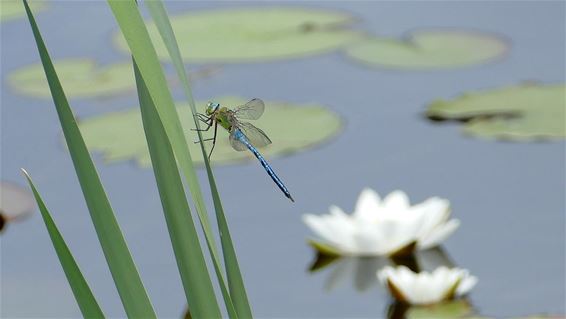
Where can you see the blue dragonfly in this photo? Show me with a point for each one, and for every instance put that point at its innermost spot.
(243, 135)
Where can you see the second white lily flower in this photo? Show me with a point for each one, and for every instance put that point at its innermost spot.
(426, 288)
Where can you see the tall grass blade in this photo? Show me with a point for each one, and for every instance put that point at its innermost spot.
(83, 295)
(128, 283)
(184, 238)
(159, 15)
(235, 281)
(141, 47)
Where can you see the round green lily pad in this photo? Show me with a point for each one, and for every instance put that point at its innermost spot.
(449, 310)
(83, 78)
(14, 9)
(292, 128)
(79, 77)
(254, 34)
(520, 113)
(429, 49)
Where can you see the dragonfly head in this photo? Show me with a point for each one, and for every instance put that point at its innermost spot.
(212, 107)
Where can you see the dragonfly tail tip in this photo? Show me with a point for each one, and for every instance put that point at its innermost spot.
(291, 198)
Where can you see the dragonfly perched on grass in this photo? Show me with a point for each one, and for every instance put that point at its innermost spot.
(243, 135)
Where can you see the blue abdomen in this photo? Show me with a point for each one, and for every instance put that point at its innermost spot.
(242, 138)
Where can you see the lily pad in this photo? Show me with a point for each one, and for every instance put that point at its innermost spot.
(15, 203)
(14, 9)
(254, 34)
(79, 77)
(448, 310)
(292, 128)
(83, 78)
(543, 317)
(430, 49)
(520, 113)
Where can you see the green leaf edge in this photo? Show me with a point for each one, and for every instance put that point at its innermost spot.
(238, 297)
(83, 295)
(124, 272)
(184, 238)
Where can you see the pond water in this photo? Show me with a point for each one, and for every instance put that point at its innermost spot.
(509, 196)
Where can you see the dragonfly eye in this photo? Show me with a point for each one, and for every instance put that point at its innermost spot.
(211, 108)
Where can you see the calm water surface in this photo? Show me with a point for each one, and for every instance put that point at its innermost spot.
(509, 196)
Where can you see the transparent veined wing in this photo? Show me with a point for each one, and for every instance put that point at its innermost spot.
(236, 143)
(256, 136)
(251, 110)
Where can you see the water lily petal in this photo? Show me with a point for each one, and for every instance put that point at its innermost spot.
(466, 284)
(396, 200)
(368, 205)
(439, 234)
(319, 226)
(337, 213)
(436, 210)
(396, 235)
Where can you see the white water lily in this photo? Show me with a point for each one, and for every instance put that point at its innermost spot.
(426, 287)
(384, 226)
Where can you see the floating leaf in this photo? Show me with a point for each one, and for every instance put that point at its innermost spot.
(14, 9)
(521, 113)
(15, 203)
(119, 135)
(448, 310)
(82, 78)
(253, 34)
(430, 49)
(544, 316)
(79, 77)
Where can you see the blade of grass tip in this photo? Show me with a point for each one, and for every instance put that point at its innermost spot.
(83, 295)
(161, 19)
(184, 238)
(126, 278)
(235, 280)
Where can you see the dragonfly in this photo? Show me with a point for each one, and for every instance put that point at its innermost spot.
(244, 136)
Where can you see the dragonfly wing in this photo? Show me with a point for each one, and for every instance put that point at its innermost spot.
(236, 143)
(256, 136)
(251, 110)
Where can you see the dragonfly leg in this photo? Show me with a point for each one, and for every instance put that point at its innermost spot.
(205, 140)
(213, 140)
(208, 123)
(202, 117)
(208, 120)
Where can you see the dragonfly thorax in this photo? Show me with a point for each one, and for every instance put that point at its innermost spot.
(212, 107)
